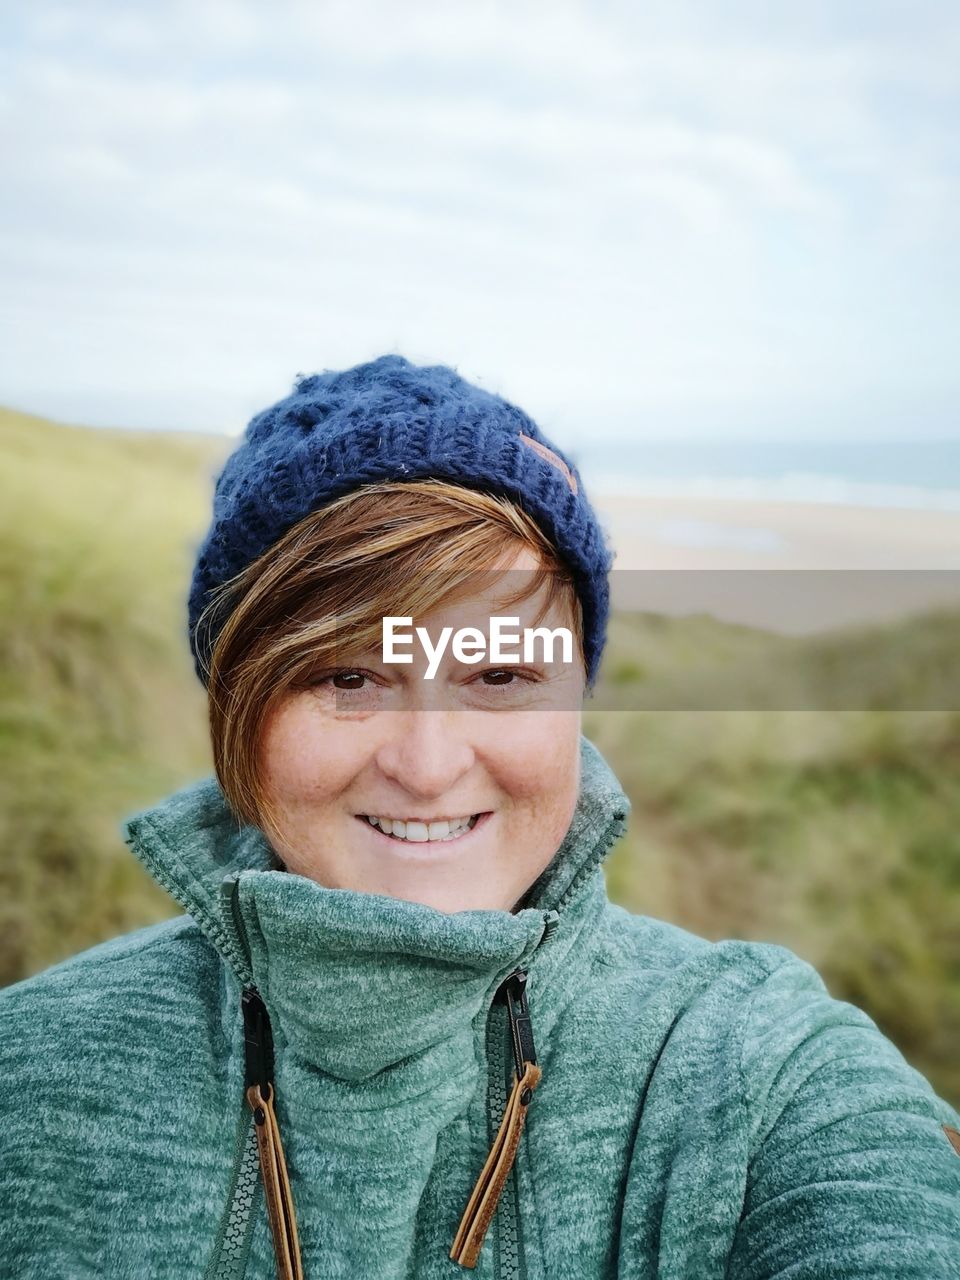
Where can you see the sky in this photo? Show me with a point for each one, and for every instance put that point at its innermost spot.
(678, 219)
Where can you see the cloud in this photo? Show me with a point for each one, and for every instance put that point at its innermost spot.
(691, 211)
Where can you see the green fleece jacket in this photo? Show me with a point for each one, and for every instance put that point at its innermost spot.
(706, 1110)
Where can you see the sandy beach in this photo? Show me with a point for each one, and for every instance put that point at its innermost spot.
(862, 563)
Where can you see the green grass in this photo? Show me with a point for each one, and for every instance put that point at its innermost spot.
(836, 833)
(100, 712)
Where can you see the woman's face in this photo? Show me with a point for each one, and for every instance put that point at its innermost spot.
(494, 755)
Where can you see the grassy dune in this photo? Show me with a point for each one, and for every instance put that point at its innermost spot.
(99, 709)
(836, 833)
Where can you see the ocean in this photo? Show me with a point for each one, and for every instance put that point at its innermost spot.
(920, 474)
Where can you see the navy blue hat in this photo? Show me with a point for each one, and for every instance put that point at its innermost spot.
(392, 420)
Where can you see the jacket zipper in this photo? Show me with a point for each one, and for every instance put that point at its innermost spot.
(509, 1254)
(259, 1165)
(229, 1260)
(233, 1241)
(495, 1193)
(509, 1260)
(281, 1215)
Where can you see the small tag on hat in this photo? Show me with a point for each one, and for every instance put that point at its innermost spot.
(549, 456)
(953, 1137)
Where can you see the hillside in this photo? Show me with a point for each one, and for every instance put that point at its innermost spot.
(99, 709)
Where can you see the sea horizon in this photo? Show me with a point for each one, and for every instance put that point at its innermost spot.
(909, 474)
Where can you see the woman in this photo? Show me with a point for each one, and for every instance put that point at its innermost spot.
(401, 1031)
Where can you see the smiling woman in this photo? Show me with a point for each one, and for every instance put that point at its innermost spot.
(315, 602)
(314, 730)
(397, 940)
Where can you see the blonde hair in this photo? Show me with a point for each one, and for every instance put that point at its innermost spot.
(342, 569)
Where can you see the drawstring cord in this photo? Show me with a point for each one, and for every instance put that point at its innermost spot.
(482, 1204)
(258, 1045)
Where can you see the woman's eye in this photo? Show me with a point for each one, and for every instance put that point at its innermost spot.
(347, 680)
(498, 676)
(344, 680)
(510, 677)
(499, 689)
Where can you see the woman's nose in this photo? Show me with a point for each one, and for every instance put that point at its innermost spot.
(426, 751)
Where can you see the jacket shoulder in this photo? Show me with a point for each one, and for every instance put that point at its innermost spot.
(644, 943)
(632, 940)
(841, 1126)
(797, 1036)
(136, 995)
(123, 1054)
(138, 956)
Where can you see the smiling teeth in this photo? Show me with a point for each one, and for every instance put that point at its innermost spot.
(421, 832)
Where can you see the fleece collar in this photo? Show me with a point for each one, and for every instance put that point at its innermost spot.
(356, 982)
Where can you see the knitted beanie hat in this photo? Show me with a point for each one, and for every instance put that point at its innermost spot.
(392, 420)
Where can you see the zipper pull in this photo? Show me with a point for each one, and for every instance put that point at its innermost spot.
(482, 1204)
(257, 1041)
(514, 992)
(258, 1083)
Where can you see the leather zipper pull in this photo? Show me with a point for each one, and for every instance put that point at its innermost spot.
(258, 1047)
(526, 1076)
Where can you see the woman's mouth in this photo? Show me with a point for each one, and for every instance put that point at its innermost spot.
(423, 830)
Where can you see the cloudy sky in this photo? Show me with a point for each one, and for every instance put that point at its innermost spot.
(682, 218)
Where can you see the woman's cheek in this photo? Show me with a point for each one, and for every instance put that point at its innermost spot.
(301, 760)
(539, 756)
